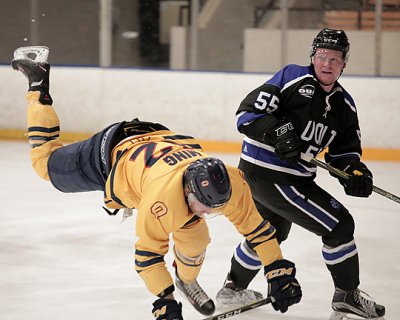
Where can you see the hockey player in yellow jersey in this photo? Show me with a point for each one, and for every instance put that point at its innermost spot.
(171, 182)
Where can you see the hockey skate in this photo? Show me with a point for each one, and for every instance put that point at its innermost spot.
(231, 296)
(32, 62)
(196, 296)
(356, 304)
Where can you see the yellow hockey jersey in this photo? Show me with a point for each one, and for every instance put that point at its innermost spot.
(147, 174)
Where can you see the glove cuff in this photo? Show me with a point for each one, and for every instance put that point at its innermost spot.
(280, 268)
(166, 291)
(351, 166)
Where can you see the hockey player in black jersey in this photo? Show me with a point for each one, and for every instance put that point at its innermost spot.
(304, 109)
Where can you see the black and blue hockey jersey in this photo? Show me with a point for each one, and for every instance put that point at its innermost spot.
(321, 120)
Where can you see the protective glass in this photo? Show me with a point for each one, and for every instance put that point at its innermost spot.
(323, 56)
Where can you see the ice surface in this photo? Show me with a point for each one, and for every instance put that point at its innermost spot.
(62, 257)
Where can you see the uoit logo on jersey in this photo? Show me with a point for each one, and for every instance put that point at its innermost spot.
(307, 90)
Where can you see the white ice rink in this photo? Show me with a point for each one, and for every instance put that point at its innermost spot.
(62, 257)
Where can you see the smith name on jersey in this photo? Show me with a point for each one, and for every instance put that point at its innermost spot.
(320, 119)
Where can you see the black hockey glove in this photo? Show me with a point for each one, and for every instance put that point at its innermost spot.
(360, 182)
(282, 284)
(283, 137)
(167, 309)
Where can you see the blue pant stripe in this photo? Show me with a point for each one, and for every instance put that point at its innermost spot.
(308, 207)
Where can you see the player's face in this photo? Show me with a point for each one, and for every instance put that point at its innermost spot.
(328, 65)
(197, 207)
(201, 210)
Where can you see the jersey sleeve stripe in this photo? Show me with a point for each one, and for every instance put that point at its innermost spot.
(263, 155)
(262, 233)
(245, 118)
(262, 224)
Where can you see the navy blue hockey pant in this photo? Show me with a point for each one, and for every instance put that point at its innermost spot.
(83, 166)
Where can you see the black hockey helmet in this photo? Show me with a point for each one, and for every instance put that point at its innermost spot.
(331, 39)
(208, 180)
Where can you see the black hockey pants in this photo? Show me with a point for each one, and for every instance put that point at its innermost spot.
(312, 208)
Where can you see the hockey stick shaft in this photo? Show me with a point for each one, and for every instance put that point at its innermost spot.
(342, 174)
(240, 310)
(386, 194)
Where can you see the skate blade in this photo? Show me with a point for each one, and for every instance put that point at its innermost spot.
(336, 315)
(34, 53)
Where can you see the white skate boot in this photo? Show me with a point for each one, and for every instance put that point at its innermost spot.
(32, 62)
(231, 296)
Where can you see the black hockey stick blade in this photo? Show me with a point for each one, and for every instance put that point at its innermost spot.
(342, 174)
(240, 310)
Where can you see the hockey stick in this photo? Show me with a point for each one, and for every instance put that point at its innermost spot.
(240, 310)
(342, 174)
